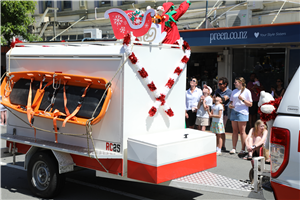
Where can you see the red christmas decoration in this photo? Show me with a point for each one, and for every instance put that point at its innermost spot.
(151, 86)
(186, 45)
(185, 59)
(162, 99)
(170, 112)
(177, 71)
(13, 44)
(267, 117)
(170, 83)
(143, 73)
(152, 111)
(126, 39)
(133, 58)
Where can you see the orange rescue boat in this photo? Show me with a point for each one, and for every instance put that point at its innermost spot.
(57, 96)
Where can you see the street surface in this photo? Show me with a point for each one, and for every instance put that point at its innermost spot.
(84, 185)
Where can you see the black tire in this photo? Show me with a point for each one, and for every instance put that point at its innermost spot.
(42, 174)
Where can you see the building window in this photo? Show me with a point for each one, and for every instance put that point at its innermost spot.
(67, 5)
(80, 37)
(43, 5)
(204, 67)
(65, 37)
(128, 1)
(48, 38)
(268, 64)
(72, 37)
(64, 5)
(102, 3)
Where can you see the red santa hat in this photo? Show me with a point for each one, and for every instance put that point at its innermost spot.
(167, 6)
(160, 8)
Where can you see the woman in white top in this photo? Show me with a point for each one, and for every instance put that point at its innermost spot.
(192, 97)
(240, 101)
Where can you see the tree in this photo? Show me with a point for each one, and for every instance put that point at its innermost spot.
(16, 16)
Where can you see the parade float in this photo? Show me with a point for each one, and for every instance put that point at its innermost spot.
(116, 107)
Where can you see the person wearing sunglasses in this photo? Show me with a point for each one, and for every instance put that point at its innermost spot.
(225, 94)
(192, 97)
(279, 89)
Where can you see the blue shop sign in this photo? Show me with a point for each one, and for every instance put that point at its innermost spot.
(244, 35)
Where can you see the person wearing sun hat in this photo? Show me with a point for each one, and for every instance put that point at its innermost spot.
(171, 25)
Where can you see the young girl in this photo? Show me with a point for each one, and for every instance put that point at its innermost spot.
(256, 138)
(203, 109)
(217, 126)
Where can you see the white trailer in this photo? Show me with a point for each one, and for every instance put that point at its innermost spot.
(127, 142)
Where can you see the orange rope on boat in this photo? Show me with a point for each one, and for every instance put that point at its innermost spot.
(30, 112)
(56, 114)
(65, 99)
(39, 94)
(78, 107)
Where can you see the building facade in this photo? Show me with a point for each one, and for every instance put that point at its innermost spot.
(210, 59)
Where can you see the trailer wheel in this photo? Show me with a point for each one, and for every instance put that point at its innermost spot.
(42, 174)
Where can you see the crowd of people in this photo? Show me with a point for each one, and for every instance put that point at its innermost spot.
(240, 106)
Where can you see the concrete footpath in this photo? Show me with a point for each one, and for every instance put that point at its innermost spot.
(227, 178)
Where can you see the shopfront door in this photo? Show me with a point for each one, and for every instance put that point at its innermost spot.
(204, 67)
(267, 63)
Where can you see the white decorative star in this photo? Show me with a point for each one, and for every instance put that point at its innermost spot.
(118, 20)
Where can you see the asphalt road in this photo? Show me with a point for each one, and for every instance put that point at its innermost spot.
(84, 184)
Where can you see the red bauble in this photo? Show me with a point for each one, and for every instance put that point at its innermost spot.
(13, 44)
(162, 99)
(126, 39)
(170, 83)
(185, 59)
(186, 45)
(143, 73)
(133, 58)
(152, 111)
(151, 86)
(170, 112)
(177, 71)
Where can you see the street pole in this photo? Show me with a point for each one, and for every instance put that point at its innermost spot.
(206, 25)
(54, 23)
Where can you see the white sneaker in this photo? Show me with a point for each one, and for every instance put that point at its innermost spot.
(232, 151)
(219, 153)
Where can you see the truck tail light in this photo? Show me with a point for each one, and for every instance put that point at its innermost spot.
(280, 150)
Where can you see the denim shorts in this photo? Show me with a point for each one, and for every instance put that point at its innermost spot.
(237, 116)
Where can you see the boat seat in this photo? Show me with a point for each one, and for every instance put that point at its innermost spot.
(19, 94)
(74, 93)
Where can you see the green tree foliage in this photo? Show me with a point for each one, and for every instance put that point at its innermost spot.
(16, 16)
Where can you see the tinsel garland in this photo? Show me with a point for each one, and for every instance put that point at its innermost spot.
(159, 96)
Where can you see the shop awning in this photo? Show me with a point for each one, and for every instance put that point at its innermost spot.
(244, 35)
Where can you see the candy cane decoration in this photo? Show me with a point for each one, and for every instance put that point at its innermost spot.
(159, 96)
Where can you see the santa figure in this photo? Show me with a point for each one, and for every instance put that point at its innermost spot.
(174, 15)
